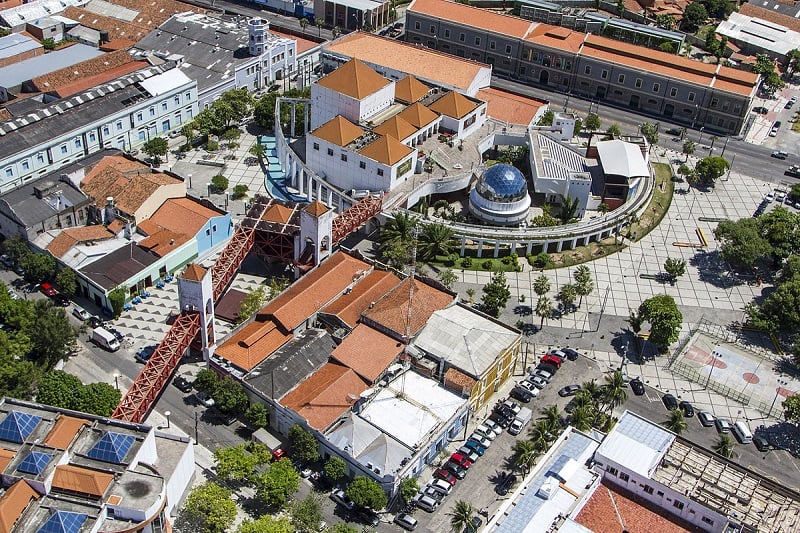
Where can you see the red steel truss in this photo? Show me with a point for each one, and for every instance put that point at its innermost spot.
(355, 216)
(148, 384)
(231, 258)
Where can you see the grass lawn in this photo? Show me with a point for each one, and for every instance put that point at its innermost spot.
(442, 262)
(659, 203)
(796, 126)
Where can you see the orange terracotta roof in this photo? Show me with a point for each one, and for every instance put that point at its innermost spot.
(316, 208)
(64, 431)
(278, 214)
(253, 343)
(82, 480)
(735, 80)
(473, 16)
(8, 4)
(454, 105)
(69, 237)
(348, 307)
(116, 225)
(5, 114)
(612, 509)
(116, 28)
(338, 131)
(368, 352)
(396, 127)
(354, 79)
(386, 150)
(510, 107)
(6, 456)
(391, 311)
(557, 37)
(325, 395)
(464, 382)
(410, 89)
(314, 290)
(756, 11)
(194, 272)
(418, 115)
(177, 221)
(118, 178)
(84, 70)
(437, 67)
(117, 44)
(99, 79)
(13, 504)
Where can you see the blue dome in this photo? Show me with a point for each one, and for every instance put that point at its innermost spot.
(502, 183)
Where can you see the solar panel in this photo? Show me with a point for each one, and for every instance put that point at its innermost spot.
(63, 522)
(17, 426)
(34, 463)
(112, 447)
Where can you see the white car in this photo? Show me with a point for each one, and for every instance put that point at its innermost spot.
(770, 196)
(480, 439)
(515, 407)
(204, 399)
(539, 382)
(544, 374)
(557, 353)
(516, 427)
(486, 432)
(527, 385)
(494, 426)
(780, 196)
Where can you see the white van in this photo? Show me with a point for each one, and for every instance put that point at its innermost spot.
(427, 503)
(105, 339)
(742, 433)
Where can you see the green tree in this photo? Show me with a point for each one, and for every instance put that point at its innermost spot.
(320, 23)
(16, 249)
(335, 468)
(258, 150)
(17, 375)
(650, 132)
(541, 285)
(229, 396)
(773, 82)
(603, 208)
(791, 409)
(614, 393)
(584, 285)
(435, 239)
(495, 294)
(303, 25)
(543, 309)
(366, 492)
(665, 21)
(719, 9)
(710, 168)
(233, 105)
(399, 228)
(664, 317)
(694, 15)
(234, 463)
(569, 208)
(50, 333)
(525, 454)
(59, 389)
(38, 267)
(581, 418)
(187, 130)
(99, 399)
(447, 277)
(780, 310)
(267, 523)
(667, 46)
(742, 245)
(306, 514)
(156, 148)
(219, 183)
(240, 191)
(408, 489)
(689, 148)
(461, 517)
(764, 64)
(342, 527)
(675, 268)
(49, 44)
(257, 416)
(302, 444)
(792, 60)
(676, 423)
(207, 122)
(724, 446)
(796, 353)
(206, 381)
(117, 300)
(614, 130)
(546, 119)
(210, 508)
(688, 172)
(66, 281)
(567, 294)
(277, 484)
(252, 303)
(781, 228)
(592, 122)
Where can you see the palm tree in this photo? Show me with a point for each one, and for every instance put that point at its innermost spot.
(436, 239)
(582, 399)
(552, 415)
(541, 285)
(524, 454)
(461, 517)
(594, 390)
(540, 434)
(544, 309)
(569, 208)
(676, 423)
(614, 394)
(303, 25)
(603, 208)
(397, 229)
(583, 282)
(567, 295)
(724, 446)
(581, 418)
(319, 23)
(258, 150)
(688, 148)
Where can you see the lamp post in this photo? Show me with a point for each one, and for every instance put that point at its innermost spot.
(116, 380)
(167, 414)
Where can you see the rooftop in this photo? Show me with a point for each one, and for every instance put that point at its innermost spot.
(69, 237)
(423, 63)
(119, 266)
(14, 75)
(15, 43)
(390, 313)
(368, 351)
(473, 16)
(412, 408)
(557, 37)
(774, 11)
(636, 443)
(291, 364)
(36, 201)
(465, 339)
(177, 221)
(620, 158)
(454, 104)
(93, 69)
(387, 150)
(553, 159)
(15, 16)
(250, 345)
(759, 33)
(369, 445)
(410, 89)
(509, 107)
(354, 79)
(349, 306)
(417, 115)
(338, 131)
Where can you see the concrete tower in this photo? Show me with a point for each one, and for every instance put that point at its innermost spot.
(196, 294)
(316, 234)
(258, 32)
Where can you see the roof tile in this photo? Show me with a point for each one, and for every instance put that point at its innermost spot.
(510, 107)
(418, 115)
(317, 208)
(386, 150)
(13, 504)
(338, 131)
(64, 431)
(396, 127)
(391, 311)
(410, 89)
(6, 456)
(253, 343)
(69, 237)
(177, 221)
(454, 105)
(348, 307)
(473, 16)
(194, 272)
(354, 79)
(368, 352)
(83, 70)
(82, 480)
(278, 214)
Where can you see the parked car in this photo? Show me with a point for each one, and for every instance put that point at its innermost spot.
(527, 385)
(522, 395)
(462, 460)
(542, 373)
(61, 300)
(480, 439)
(569, 390)
(79, 312)
(780, 154)
(427, 503)
(637, 386)
(446, 475)
(516, 427)
(686, 407)
(406, 521)
(669, 402)
(572, 355)
(557, 353)
(760, 110)
(120, 337)
(512, 406)
(761, 443)
(486, 432)
(770, 196)
(539, 382)
(706, 418)
(182, 384)
(145, 353)
(793, 171)
(553, 360)
(475, 446)
(498, 419)
(456, 469)
(505, 485)
(469, 453)
(548, 367)
(204, 399)
(340, 497)
(7, 262)
(48, 290)
(780, 196)
(494, 426)
(226, 418)
(723, 425)
(366, 516)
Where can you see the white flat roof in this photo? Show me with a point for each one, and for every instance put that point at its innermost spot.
(164, 83)
(636, 443)
(621, 158)
(412, 407)
(759, 32)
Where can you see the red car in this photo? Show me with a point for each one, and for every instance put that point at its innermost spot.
(441, 473)
(552, 360)
(461, 459)
(47, 289)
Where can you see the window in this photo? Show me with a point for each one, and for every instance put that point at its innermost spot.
(673, 92)
(678, 504)
(165, 125)
(638, 83)
(187, 96)
(92, 137)
(660, 494)
(613, 471)
(163, 106)
(380, 172)
(477, 40)
(362, 164)
(152, 111)
(461, 37)
(707, 520)
(141, 135)
(214, 227)
(330, 151)
(9, 172)
(316, 146)
(624, 477)
(691, 97)
(177, 100)
(491, 45)
(416, 25)
(447, 33)
(648, 489)
(621, 78)
(656, 87)
(344, 157)
(26, 165)
(63, 148)
(587, 70)
(40, 158)
(433, 29)
(208, 232)
(77, 143)
(714, 102)
(508, 48)
(105, 130)
(139, 116)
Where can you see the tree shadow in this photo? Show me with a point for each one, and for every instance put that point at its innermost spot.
(711, 269)
(783, 435)
(523, 310)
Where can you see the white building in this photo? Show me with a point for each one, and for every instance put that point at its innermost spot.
(122, 114)
(757, 36)
(559, 172)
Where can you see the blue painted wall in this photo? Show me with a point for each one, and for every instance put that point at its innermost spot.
(215, 231)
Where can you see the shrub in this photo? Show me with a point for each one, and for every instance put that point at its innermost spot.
(212, 145)
(506, 260)
(240, 190)
(466, 262)
(487, 265)
(219, 182)
(185, 148)
(542, 260)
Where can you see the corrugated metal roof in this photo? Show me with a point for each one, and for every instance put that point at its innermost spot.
(17, 73)
(16, 44)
